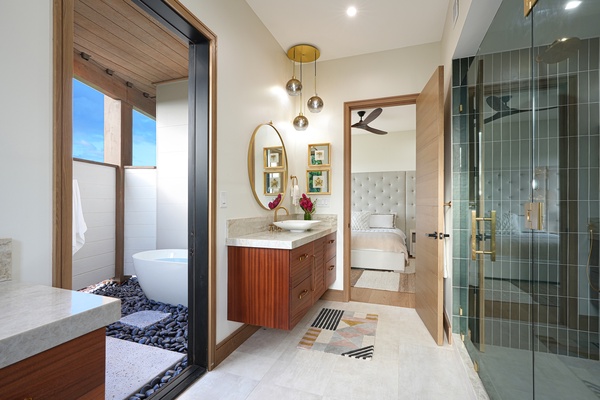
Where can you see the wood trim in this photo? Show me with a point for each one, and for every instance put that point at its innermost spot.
(333, 295)
(350, 106)
(62, 166)
(72, 370)
(447, 327)
(93, 75)
(232, 342)
(103, 164)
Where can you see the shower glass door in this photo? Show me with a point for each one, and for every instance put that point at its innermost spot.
(565, 180)
(531, 152)
(500, 281)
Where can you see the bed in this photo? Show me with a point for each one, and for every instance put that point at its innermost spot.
(383, 212)
(379, 248)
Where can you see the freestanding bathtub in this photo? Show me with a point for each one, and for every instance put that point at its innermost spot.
(163, 275)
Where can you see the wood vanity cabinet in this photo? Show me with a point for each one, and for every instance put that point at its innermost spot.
(276, 287)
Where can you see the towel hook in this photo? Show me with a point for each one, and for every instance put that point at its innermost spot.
(294, 177)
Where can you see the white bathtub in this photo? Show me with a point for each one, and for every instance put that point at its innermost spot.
(163, 275)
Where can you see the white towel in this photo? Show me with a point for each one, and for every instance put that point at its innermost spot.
(79, 226)
(295, 189)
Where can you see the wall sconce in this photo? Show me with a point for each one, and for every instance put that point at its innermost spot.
(303, 53)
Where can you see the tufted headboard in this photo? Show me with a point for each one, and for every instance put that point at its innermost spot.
(387, 193)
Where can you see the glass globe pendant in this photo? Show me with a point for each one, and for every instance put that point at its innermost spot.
(293, 86)
(315, 103)
(300, 122)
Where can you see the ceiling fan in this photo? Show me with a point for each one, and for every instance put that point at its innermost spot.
(365, 124)
(500, 105)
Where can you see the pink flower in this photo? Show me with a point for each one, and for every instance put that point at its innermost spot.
(273, 204)
(306, 204)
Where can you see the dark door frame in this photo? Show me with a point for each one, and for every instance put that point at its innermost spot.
(202, 171)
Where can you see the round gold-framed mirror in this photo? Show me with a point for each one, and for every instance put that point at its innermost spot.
(267, 165)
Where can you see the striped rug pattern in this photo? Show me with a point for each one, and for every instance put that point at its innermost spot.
(346, 333)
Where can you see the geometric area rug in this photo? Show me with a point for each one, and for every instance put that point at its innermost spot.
(347, 333)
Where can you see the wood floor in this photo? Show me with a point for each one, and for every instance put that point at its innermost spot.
(405, 297)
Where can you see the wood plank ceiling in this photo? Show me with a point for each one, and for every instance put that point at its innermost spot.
(122, 38)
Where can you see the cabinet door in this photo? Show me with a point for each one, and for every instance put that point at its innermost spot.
(318, 276)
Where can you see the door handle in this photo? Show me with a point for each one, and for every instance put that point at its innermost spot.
(433, 235)
(475, 235)
(443, 235)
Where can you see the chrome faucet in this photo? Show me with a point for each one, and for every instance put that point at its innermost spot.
(277, 210)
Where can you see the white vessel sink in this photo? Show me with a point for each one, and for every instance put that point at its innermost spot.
(296, 225)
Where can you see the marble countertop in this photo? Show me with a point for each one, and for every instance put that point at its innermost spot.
(282, 239)
(35, 318)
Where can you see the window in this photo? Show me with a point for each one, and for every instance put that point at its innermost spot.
(144, 140)
(88, 122)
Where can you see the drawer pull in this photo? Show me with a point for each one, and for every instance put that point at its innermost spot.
(332, 241)
(304, 293)
(303, 257)
(331, 267)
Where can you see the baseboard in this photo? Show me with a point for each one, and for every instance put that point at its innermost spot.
(232, 342)
(333, 295)
(447, 327)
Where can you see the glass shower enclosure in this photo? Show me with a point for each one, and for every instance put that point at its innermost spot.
(526, 201)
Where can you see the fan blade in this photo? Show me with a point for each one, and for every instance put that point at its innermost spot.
(376, 131)
(498, 104)
(359, 124)
(374, 114)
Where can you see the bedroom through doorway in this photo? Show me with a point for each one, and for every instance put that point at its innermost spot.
(383, 205)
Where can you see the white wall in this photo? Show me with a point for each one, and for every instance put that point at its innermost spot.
(95, 260)
(26, 137)
(172, 165)
(251, 71)
(140, 214)
(396, 151)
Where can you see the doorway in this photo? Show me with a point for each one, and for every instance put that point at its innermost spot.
(202, 64)
(383, 205)
(428, 298)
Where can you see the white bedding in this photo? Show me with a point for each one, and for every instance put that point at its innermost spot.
(379, 248)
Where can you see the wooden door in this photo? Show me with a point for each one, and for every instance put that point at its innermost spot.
(430, 192)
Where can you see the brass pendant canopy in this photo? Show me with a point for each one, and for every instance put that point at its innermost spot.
(303, 53)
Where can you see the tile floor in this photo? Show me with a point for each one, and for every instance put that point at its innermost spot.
(407, 365)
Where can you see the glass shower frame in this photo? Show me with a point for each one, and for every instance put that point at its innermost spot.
(525, 145)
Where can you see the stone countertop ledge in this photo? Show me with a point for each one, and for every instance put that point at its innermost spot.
(35, 318)
(282, 239)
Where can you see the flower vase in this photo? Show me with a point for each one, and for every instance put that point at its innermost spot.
(307, 215)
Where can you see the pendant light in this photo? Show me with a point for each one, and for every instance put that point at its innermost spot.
(300, 122)
(315, 103)
(294, 86)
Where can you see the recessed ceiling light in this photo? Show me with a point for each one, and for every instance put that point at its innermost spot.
(572, 4)
(351, 11)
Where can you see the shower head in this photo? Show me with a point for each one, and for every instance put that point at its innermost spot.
(559, 50)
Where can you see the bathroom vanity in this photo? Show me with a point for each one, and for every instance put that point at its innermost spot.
(53, 342)
(274, 278)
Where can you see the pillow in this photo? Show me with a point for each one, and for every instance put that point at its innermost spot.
(382, 221)
(360, 220)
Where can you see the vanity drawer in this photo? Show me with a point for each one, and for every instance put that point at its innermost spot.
(330, 245)
(330, 272)
(301, 261)
(301, 300)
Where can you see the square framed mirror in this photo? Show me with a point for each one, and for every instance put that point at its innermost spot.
(273, 183)
(318, 181)
(273, 157)
(319, 155)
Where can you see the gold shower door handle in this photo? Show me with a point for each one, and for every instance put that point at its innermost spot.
(492, 220)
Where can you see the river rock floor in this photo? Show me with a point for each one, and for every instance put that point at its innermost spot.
(169, 334)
